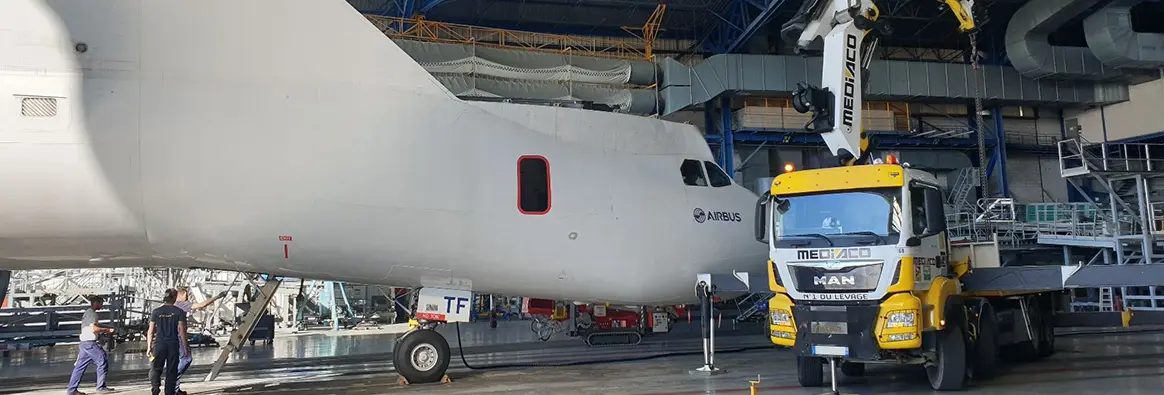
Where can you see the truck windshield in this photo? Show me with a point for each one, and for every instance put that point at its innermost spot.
(841, 216)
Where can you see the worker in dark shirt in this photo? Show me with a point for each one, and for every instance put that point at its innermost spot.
(165, 341)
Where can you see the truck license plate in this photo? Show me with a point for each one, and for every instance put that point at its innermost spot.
(830, 351)
(830, 328)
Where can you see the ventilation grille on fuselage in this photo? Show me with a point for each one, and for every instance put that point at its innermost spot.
(38, 106)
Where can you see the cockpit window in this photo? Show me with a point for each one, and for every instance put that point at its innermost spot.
(692, 173)
(716, 175)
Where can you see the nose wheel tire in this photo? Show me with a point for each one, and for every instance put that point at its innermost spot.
(810, 371)
(421, 356)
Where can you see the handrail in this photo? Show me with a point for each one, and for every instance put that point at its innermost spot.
(1113, 157)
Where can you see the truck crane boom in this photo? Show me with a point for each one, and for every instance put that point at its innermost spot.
(843, 26)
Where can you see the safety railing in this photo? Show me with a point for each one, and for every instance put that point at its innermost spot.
(1032, 140)
(1157, 210)
(1077, 156)
(1023, 223)
(996, 210)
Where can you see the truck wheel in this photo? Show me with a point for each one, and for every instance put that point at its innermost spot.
(810, 371)
(1032, 350)
(853, 369)
(948, 373)
(986, 347)
(1047, 340)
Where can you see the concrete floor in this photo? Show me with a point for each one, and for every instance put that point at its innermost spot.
(1126, 363)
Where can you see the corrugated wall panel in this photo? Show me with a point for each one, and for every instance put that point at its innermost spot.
(1033, 178)
(1053, 182)
(1024, 175)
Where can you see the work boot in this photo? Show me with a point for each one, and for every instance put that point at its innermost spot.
(105, 390)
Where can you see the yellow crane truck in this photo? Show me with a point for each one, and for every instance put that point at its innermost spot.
(860, 264)
(863, 272)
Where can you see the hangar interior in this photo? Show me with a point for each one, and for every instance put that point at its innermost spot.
(1056, 127)
(1040, 125)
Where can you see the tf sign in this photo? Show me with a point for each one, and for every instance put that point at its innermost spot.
(447, 305)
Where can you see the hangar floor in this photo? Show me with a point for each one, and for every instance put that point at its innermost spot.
(355, 364)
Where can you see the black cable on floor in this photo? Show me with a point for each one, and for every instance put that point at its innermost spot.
(1107, 332)
(461, 350)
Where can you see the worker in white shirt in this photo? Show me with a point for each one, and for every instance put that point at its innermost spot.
(89, 352)
(184, 303)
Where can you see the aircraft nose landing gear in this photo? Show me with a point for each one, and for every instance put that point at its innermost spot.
(421, 356)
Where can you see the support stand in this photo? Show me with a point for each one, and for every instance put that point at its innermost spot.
(243, 332)
(833, 376)
(706, 286)
(833, 362)
(572, 310)
(492, 314)
(704, 290)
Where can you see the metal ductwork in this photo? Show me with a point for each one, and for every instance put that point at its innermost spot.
(777, 75)
(1031, 52)
(1110, 36)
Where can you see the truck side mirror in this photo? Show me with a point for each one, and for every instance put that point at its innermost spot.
(913, 241)
(761, 228)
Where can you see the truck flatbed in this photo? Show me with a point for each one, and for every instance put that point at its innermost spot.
(1023, 279)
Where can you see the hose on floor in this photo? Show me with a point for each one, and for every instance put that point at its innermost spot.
(461, 350)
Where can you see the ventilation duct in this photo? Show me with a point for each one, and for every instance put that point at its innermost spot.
(1110, 36)
(1031, 53)
(776, 75)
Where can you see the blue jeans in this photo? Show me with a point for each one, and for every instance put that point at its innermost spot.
(89, 352)
(184, 360)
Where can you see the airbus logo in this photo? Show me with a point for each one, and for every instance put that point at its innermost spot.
(702, 216)
(834, 280)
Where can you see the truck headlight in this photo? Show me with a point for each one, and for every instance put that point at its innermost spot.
(781, 317)
(783, 334)
(901, 319)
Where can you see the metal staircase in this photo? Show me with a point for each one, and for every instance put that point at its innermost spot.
(753, 305)
(959, 196)
(1124, 184)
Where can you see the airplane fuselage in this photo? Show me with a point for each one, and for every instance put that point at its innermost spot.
(208, 134)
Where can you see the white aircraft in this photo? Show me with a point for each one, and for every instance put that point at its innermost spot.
(294, 138)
